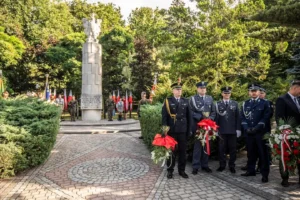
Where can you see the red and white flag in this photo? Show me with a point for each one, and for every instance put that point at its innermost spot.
(126, 101)
(65, 100)
(114, 97)
(70, 96)
(130, 100)
(118, 97)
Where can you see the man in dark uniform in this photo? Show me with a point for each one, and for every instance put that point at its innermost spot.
(73, 106)
(202, 106)
(287, 109)
(255, 114)
(175, 114)
(263, 95)
(228, 120)
(110, 105)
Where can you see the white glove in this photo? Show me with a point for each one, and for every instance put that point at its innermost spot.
(217, 134)
(238, 133)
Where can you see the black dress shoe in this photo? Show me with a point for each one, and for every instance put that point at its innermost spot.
(248, 174)
(220, 169)
(245, 168)
(232, 170)
(183, 174)
(170, 175)
(141, 137)
(264, 179)
(195, 171)
(207, 169)
(285, 183)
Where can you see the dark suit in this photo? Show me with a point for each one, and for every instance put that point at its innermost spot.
(228, 120)
(286, 109)
(179, 128)
(256, 114)
(198, 106)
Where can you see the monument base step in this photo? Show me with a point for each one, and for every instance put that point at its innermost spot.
(99, 123)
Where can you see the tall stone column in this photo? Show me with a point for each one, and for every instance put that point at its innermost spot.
(91, 94)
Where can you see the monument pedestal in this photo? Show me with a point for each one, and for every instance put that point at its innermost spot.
(91, 115)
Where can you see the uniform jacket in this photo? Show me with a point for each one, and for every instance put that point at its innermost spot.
(286, 109)
(255, 115)
(198, 106)
(182, 112)
(228, 118)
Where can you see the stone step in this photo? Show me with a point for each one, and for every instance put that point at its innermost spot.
(99, 123)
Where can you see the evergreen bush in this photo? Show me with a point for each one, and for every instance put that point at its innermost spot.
(28, 129)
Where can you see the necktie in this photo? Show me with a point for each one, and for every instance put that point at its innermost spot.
(201, 98)
(178, 100)
(297, 103)
(226, 103)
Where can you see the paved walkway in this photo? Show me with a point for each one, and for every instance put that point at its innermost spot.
(118, 166)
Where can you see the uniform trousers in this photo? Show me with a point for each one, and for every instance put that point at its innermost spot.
(256, 145)
(227, 144)
(200, 158)
(179, 151)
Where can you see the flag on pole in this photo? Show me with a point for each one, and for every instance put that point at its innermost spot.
(130, 100)
(54, 92)
(118, 97)
(126, 102)
(47, 92)
(114, 97)
(70, 96)
(65, 100)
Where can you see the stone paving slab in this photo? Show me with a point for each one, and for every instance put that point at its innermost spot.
(118, 166)
(103, 122)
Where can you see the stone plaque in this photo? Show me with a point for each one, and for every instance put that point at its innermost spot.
(91, 101)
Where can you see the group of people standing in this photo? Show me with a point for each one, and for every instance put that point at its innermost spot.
(253, 119)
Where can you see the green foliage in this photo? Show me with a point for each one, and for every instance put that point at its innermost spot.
(150, 122)
(28, 129)
(117, 46)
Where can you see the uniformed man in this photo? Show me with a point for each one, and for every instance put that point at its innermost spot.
(255, 114)
(201, 106)
(143, 101)
(60, 102)
(110, 105)
(120, 109)
(263, 95)
(228, 120)
(288, 109)
(175, 114)
(72, 106)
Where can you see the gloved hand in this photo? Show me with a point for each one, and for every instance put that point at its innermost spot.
(238, 133)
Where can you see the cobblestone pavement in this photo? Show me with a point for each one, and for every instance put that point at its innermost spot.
(118, 166)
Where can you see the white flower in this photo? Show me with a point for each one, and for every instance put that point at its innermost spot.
(286, 126)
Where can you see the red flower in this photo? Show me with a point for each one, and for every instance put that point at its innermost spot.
(285, 146)
(167, 141)
(275, 146)
(286, 159)
(296, 152)
(296, 144)
(278, 152)
(286, 154)
(290, 167)
(208, 123)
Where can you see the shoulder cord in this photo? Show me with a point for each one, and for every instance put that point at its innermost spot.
(246, 115)
(217, 109)
(194, 104)
(168, 109)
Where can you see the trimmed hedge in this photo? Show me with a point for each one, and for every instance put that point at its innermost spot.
(150, 122)
(28, 129)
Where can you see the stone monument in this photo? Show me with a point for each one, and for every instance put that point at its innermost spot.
(91, 91)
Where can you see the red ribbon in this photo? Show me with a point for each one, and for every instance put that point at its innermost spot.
(284, 144)
(208, 125)
(166, 141)
(207, 144)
